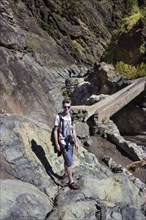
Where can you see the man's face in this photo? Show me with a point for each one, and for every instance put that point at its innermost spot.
(66, 107)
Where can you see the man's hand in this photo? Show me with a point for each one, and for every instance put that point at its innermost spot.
(76, 146)
(58, 147)
(75, 139)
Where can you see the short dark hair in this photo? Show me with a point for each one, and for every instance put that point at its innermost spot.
(67, 100)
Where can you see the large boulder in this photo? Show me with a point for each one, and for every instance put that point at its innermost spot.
(134, 151)
(101, 79)
(118, 212)
(21, 200)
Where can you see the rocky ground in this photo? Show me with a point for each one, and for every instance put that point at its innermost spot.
(101, 147)
(31, 178)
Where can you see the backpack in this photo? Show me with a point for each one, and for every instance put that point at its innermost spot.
(52, 132)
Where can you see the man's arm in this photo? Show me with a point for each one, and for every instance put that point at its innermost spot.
(56, 138)
(75, 138)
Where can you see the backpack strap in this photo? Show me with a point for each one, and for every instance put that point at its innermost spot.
(61, 120)
(72, 118)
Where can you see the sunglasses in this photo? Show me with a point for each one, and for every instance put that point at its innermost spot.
(66, 107)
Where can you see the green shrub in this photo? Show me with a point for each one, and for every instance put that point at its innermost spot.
(129, 21)
(132, 14)
(142, 49)
(129, 71)
(141, 70)
(65, 93)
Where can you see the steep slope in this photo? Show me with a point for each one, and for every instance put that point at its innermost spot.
(40, 44)
(31, 64)
(81, 28)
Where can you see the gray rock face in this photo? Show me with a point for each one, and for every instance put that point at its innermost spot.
(74, 25)
(119, 212)
(26, 88)
(11, 35)
(26, 158)
(21, 200)
(31, 79)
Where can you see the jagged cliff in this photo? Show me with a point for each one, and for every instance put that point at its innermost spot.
(44, 44)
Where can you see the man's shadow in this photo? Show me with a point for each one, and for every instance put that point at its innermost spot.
(40, 153)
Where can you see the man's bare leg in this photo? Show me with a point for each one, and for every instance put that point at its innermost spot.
(68, 171)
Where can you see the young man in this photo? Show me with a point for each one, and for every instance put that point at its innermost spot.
(65, 139)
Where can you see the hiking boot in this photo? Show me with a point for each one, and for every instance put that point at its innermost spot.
(73, 186)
